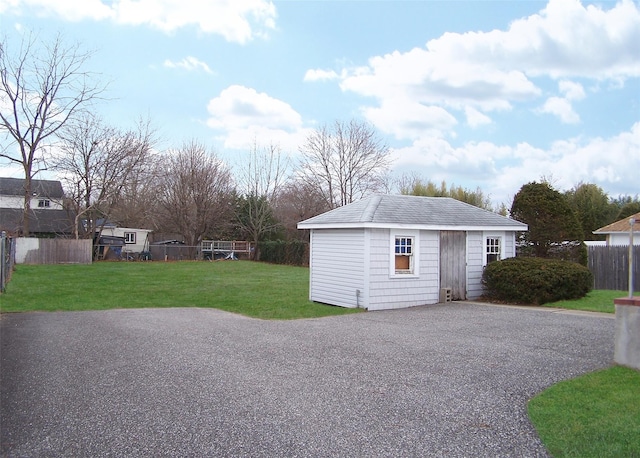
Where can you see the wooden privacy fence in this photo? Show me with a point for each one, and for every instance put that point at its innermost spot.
(610, 267)
(7, 257)
(53, 251)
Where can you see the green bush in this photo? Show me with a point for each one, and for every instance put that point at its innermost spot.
(537, 281)
(293, 252)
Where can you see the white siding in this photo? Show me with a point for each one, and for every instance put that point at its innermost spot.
(475, 261)
(622, 239)
(509, 245)
(344, 261)
(18, 202)
(141, 237)
(476, 257)
(386, 292)
(337, 267)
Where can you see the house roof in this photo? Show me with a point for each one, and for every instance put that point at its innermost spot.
(412, 212)
(41, 188)
(41, 221)
(620, 226)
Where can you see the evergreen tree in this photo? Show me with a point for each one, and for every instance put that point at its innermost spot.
(554, 229)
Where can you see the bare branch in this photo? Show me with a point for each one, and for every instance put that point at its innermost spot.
(97, 163)
(42, 87)
(344, 163)
(195, 192)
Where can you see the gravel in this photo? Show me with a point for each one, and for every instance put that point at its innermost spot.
(444, 380)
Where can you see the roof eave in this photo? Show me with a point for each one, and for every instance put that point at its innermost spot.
(425, 227)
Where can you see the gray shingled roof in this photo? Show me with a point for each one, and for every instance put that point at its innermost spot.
(43, 188)
(392, 210)
(41, 221)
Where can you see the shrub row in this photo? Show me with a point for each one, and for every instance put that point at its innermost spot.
(575, 251)
(294, 252)
(536, 280)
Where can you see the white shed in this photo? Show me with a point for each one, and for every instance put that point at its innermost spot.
(617, 233)
(387, 252)
(136, 240)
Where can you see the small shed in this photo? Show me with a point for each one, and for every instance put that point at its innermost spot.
(617, 234)
(390, 251)
(136, 239)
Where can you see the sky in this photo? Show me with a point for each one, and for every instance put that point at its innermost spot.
(479, 93)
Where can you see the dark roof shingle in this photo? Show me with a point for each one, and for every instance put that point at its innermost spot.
(42, 188)
(48, 221)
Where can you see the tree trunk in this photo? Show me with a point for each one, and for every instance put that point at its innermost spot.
(26, 213)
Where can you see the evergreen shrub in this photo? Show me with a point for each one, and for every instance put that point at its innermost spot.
(292, 252)
(525, 280)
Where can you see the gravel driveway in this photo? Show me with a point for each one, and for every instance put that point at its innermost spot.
(444, 380)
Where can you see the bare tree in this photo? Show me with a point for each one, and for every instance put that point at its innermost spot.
(137, 205)
(260, 179)
(345, 162)
(42, 87)
(296, 202)
(195, 192)
(96, 163)
(416, 186)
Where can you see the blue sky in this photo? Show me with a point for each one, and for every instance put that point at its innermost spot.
(489, 94)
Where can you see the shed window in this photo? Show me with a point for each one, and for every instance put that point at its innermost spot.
(44, 203)
(130, 237)
(404, 261)
(492, 249)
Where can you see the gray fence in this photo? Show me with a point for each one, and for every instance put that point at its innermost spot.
(53, 251)
(610, 267)
(7, 259)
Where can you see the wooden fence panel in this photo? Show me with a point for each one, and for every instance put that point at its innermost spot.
(7, 259)
(53, 251)
(610, 267)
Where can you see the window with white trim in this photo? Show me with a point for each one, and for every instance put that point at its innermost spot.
(44, 203)
(492, 249)
(404, 254)
(129, 237)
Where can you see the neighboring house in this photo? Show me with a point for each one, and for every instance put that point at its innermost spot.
(618, 233)
(47, 217)
(386, 252)
(136, 240)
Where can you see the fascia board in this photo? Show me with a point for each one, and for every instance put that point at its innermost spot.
(423, 227)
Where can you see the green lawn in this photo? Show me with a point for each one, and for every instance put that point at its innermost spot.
(599, 300)
(595, 415)
(254, 289)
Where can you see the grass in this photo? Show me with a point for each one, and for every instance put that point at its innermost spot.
(599, 300)
(595, 415)
(254, 289)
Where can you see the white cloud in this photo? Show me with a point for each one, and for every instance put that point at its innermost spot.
(417, 120)
(571, 90)
(237, 20)
(243, 114)
(6, 5)
(71, 10)
(444, 79)
(611, 163)
(476, 118)
(561, 108)
(564, 39)
(189, 63)
(320, 75)
(480, 72)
